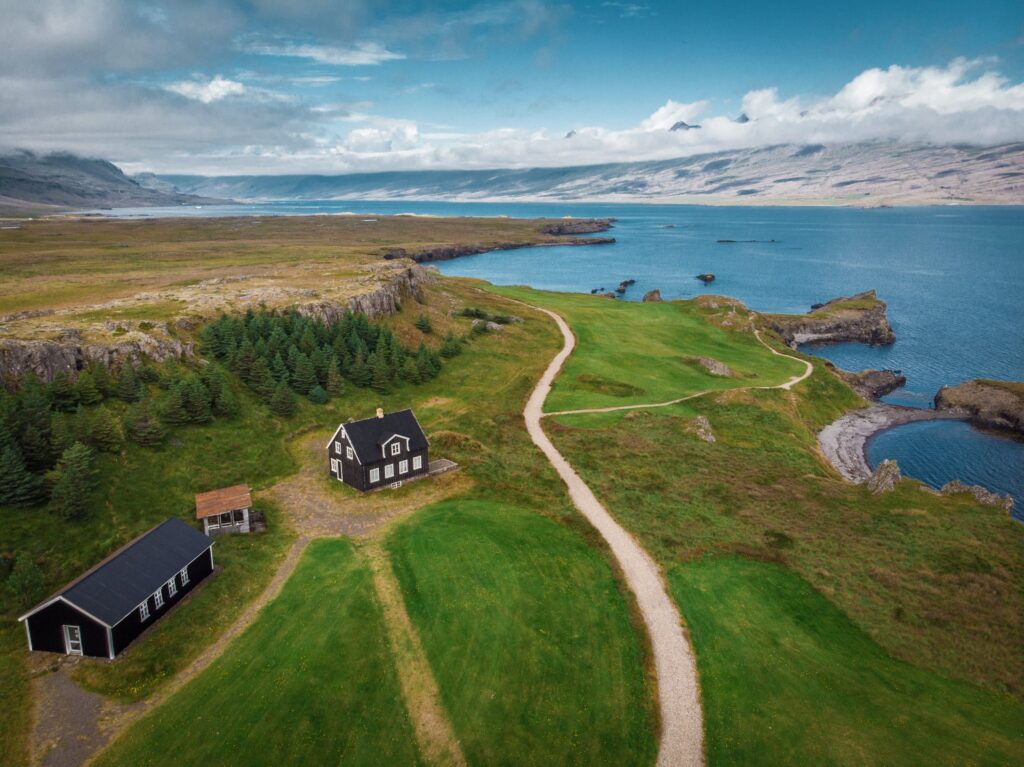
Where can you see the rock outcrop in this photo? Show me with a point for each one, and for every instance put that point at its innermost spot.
(578, 226)
(713, 366)
(381, 301)
(652, 296)
(885, 477)
(871, 384)
(701, 426)
(981, 494)
(860, 318)
(988, 403)
(706, 277)
(569, 226)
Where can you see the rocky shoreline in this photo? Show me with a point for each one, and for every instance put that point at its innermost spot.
(987, 403)
(861, 318)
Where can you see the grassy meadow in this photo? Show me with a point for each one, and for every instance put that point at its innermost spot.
(310, 682)
(522, 622)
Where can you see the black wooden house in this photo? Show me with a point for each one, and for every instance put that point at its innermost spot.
(388, 449)
(103, 610)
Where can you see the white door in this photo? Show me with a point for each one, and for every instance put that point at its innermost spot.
(73, 640)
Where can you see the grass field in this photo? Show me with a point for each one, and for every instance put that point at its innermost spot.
(631, 353)
(528, 636)
(788, 679)
(310, 682)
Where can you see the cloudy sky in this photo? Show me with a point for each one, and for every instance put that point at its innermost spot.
(328, 86)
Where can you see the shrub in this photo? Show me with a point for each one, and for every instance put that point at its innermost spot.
(318, 396)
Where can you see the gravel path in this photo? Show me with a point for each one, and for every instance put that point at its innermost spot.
(682, 730)
(843, 441)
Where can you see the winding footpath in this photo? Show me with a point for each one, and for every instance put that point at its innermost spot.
(682, 730)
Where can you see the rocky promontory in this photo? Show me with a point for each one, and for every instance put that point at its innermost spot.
(448, 252)
(871, 384)
(987, 403)
(860, 318)
(579, 226)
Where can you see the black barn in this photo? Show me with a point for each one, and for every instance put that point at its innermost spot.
(376, 452)
(103, 610)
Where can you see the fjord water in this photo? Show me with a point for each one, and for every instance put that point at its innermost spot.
(953, 278)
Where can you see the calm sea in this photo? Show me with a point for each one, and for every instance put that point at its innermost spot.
(953, 278)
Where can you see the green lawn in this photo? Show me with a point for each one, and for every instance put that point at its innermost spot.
(786, 678)
(529, 638)
(310, 682)
(632, 353)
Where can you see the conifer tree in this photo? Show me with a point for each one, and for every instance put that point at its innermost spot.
(143, 426)
(423, 324)
(262, 382)
(317, 395)
(174, 411)
(196, 400)
(88, 391)
(304, 376)
(105, 431)
(18, 486)
(335, 383)
(381, 372)
(282, 403)
(244, 360)
(62, 392)
(452, 346)
(128, 387)
(225, 403)
(36, 448)
(72, 481)
(101, 377)
(26, 580)
(279, 370)
(410, 371)
(63, 430)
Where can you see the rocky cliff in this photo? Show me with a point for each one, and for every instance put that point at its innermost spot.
(859, 318)
(988, 403)
(381, 301)
(448, 252)
(871, 384)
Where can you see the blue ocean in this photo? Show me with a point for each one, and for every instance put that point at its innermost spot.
(953, 278)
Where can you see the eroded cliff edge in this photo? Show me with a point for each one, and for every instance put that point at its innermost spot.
(987, 403)
(862, 318)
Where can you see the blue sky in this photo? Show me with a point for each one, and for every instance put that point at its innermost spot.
(322, 86)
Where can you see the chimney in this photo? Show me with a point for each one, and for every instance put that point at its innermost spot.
(380, 412)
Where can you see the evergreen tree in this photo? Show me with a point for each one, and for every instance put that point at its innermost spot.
(196, 400)
(452, 346)
(429, 366)
(174, 411)
(307, 341)
(360, 374)
(72, 481)
(62, 432)
(18, 487)
(304, 376)
(423, 324)
(128, 387)
(244, 361)
(318, 396)
(225, 403)
(279, 370)
(143, 426)
(101, 377)
(26, 580)
(105, 432)
(62, 392)
(283, 402)
(36, 448)
(88, 391)
(381, 373)
(335, 383)
(263, 382)
(321, 363)
(410, 371)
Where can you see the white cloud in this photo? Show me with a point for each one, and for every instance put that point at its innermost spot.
(360, 54)
(672, 112)
(207, 91)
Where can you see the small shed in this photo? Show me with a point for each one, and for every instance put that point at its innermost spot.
(226, 510)
(103, 610)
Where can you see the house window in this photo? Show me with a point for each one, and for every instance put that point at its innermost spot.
(239, 516)
(403, 467)
(348, 453)
(417, 462)
(183, 575)
(389, 471)
(144, 611)
(337, 447)
(396, 448)
(375, 475)
(172, 587)
(158, 598)
(225, 518)
(334, 466)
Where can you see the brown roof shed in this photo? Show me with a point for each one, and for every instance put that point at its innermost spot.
(224, 500)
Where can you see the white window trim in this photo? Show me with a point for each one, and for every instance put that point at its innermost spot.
(403, 467)
(348, 453)
(337, 447)
(396, 448)
(158, 598)
(183, 576)
(417, 462)
(144, 611)
(334, 465)
(375, 475)
(172, 587)
(389, 470)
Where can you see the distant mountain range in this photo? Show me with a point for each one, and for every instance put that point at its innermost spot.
(33, 182)
(856, 174)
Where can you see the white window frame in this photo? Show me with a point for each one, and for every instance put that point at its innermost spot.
(69, 643)
(144, 611)
(334, 466)
(337, 447)
(389, 470)
(417, 462)
(349, 454)
(403, 467)
(374, 475)
(396, 448)
(172, 587)
(158, 598)
(183, 576)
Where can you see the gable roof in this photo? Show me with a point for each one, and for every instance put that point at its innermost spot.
(226, 499)
(369, 435)
(113, 588)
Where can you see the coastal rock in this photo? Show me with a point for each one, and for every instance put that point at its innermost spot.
(706, 277)
(885, 477)
(871, 384)
(701, 426)
(448, 252)
(860, 318)
(579, 226)
(981, 495)
(607, 294)
(988, 403)
(652, 296)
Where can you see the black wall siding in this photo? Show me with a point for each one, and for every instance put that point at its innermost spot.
(46, 628)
